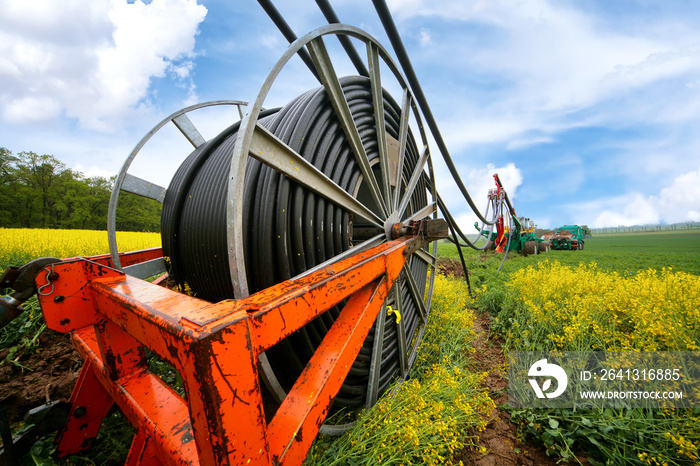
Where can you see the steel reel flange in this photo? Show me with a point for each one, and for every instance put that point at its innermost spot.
(381, 205)
(132, 184)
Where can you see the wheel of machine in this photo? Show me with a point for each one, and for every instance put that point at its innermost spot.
(320, 179)
(126, 182)
(530, 247)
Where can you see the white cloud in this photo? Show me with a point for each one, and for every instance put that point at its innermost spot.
(555, 67)
(91, 60)
(31, 109)
(631, 210)
(678, 202)
(462, 133)
(425, 37)
(520, 143)
(93, 170)
(272, 41)
(681, 200)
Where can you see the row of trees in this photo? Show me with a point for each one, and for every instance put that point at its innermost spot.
(39, 191)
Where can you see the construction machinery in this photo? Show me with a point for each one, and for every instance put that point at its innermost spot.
(568, 237)
(510, 232)
(292, 231)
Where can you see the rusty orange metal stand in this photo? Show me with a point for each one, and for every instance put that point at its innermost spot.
(215, 347)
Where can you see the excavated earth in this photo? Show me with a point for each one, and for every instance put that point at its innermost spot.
(47, 375)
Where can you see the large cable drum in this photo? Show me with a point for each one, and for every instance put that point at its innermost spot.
(288, 190)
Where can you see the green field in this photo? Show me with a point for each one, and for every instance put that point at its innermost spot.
(625, 253)
(646, 297)
(439, 412)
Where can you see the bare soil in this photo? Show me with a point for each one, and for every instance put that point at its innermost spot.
(450, 267)
(52, 373)
(503, 448)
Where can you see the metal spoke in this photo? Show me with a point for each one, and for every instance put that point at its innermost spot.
(270, 381)
(370, 243)
(186, 127)
(330, 81)
(426, 257)
(265, 147)
(413, 288)
(376, 362)
(403, 137)
(146, 269)
(413, 182)
(378, 106)
(431, 283)
(403, 351)
(420, 330)
(424, 212)
(182, 124)
(135, 185)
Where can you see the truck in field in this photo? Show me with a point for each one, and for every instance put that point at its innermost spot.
(568, 237)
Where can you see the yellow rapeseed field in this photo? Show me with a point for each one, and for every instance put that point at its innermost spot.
(584, 308)
(435, 414)
(19, 245)
(550, 306)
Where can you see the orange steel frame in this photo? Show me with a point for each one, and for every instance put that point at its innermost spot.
(215, 348)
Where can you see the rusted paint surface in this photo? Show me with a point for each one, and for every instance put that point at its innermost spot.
(215, 347)
(295, 424)
(150, 405)
(228, 417)
(74, 308)
(90, 404)
(277, 320)
(142, 452)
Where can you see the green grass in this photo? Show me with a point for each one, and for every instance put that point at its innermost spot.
(625, 253)
(608, 436)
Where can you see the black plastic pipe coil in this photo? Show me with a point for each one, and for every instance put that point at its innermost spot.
(287, 228)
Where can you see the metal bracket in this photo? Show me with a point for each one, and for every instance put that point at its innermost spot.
(215, 348)
(38, 422)
(23, 281)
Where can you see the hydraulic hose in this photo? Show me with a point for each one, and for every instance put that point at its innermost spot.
(288, 34)
(287, 228)
(396, 42)
(345, 41)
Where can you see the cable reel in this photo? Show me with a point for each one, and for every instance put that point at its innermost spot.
(291, 190)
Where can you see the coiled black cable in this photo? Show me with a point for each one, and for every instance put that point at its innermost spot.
(289, 229)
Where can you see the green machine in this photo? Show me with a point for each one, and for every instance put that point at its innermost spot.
(518, 237)
(512, 233)
(568, 237)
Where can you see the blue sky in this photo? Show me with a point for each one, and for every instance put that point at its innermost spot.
(589, 111)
